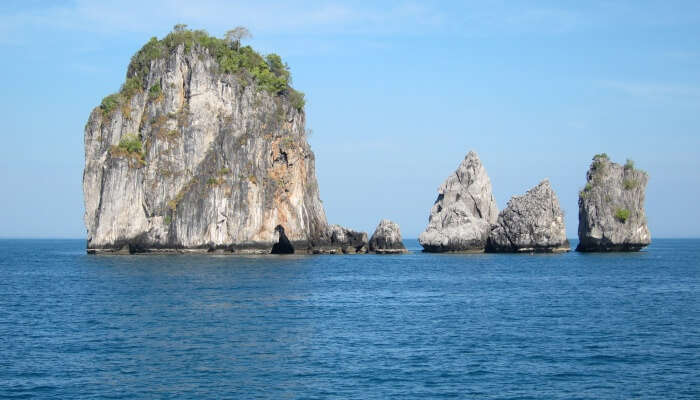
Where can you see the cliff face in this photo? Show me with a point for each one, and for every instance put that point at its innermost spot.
(533, 222)
(198, 159)
(461, 218)
(611, 208)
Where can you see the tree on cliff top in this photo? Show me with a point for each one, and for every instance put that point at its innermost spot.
(235, 35)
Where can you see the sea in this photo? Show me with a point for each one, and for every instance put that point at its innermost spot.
(413, 326)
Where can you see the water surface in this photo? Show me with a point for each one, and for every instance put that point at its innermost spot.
(585, 326)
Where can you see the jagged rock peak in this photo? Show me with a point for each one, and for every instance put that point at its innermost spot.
(465, 208)
(203, 149)
(386, 239)
(533, 222)
(611, 207)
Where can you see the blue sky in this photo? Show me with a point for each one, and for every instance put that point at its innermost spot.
(397, 94)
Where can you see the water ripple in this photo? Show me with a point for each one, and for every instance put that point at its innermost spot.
(582, 326)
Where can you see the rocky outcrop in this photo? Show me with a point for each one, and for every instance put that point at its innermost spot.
(190, 157)
(465, 208)
(386, 239)
(611, 208)
(533, 222)
(344, 241)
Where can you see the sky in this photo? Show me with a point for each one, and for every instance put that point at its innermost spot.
(397, 93)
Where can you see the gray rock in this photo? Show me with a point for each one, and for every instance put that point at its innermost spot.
(611, 208)
(345, 241)
(224, 166)
(533, 222)
(465, 208)
(386, 239)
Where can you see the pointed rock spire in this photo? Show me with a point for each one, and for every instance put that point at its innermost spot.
(465, 208)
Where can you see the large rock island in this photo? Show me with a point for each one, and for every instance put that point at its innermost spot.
(461, 218)
(532, 223)
(204, 149)
(611, 208)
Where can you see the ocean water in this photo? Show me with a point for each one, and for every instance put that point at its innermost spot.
(571, 326)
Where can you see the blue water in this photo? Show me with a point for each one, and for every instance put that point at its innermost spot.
(572, 326)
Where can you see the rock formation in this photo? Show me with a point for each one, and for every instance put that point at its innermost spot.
(201, 152)
(346, 241)
(611, 208)
(465, 208)
(533, 222)
(386, 239)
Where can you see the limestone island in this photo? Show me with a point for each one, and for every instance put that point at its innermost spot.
(204, 149)
(531, 223)
(461, 218)
(611, 208)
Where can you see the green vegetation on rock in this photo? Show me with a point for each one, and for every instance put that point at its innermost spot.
(629, 184)
(131, 144)
(598, 167)
(270, 73)
(629, 165)
(131, 87)
(297, 99)
(155, 91)
(622, 214)
(599, 161)
(219, 178)
(129, 147)
(586, 190)
(110, 103)
(215, 181)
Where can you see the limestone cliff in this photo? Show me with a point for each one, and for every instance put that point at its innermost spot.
(200, 152)
(461, 218)
(611, 208)
(533, 222)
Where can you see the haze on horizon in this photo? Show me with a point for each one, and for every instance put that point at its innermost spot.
(397, 94)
